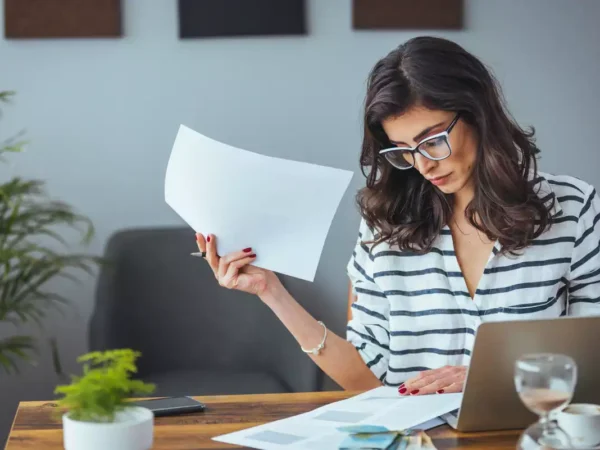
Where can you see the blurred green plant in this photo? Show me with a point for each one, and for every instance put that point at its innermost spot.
(104, 387)
(30, 230)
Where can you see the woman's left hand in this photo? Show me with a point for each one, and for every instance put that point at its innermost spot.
(443, 380)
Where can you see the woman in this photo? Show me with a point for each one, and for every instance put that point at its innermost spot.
(458, 228)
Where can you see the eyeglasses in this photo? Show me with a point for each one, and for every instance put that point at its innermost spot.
(435, 148)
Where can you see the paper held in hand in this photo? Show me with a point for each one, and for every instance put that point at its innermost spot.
(282, 209)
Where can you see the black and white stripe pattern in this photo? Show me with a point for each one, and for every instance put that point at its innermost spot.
(415, 313)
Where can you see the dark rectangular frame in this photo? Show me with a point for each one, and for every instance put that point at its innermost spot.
(226, 18)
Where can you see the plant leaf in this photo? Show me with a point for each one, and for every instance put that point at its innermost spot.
(104, 387)
(14, 348)
(31, 224)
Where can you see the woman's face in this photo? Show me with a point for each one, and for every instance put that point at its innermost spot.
(450, 175)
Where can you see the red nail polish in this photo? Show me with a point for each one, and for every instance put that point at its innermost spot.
(248, 250)
(416, 391)
(252, 256)
(402, 390)
(207, 238)
(441, 391)
(401, 386)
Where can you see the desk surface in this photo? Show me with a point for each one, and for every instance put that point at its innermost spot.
(35, 428)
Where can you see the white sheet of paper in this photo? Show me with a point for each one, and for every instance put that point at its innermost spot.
(282, 209)
(319, 428)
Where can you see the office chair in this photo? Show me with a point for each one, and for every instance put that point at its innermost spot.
(196, 338)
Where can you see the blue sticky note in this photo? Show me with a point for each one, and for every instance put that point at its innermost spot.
(380, 441)
(354, 429)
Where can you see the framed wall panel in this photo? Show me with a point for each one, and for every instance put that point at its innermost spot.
(62, 19)
(407, 14)
(220, 18)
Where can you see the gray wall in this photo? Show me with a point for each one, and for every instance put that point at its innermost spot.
(102, 116)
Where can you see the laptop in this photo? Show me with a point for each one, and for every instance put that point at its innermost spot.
(490, 401)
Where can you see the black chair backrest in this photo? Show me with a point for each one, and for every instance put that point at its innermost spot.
(154, 297)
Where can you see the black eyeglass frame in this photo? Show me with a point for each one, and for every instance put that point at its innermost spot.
(445, 134)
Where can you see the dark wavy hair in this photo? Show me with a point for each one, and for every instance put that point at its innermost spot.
(405, 209)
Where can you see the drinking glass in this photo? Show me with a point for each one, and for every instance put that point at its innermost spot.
(545, 383)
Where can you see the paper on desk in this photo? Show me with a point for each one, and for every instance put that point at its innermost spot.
(318, 429)
(282, 209)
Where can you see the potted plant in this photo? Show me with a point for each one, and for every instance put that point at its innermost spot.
(31, 226)
(98, 416)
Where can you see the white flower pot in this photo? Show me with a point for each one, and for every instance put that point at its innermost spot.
(132, 429)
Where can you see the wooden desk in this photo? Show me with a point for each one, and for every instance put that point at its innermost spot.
(34, 427)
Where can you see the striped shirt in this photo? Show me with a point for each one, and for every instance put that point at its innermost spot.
(414, 312)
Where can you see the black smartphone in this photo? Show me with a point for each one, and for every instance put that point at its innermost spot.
(171, 405)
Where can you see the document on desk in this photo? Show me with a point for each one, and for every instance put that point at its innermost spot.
(282, 209)
(319, 429)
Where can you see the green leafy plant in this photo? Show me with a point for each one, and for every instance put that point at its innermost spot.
(103, 389)
(31, 228)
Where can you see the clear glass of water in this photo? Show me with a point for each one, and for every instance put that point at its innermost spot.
(545, 383)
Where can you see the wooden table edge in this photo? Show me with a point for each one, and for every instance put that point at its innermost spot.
(448, 437)
(214, 399)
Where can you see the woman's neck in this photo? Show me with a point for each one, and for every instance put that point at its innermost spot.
(460, 222)
(462, 198)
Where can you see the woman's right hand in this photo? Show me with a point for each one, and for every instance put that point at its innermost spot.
(234, 271)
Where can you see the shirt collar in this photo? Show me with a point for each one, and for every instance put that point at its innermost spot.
(545, 192)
